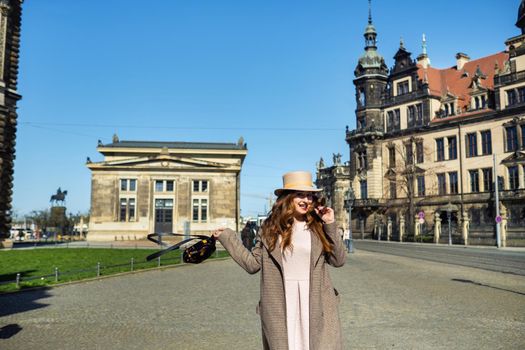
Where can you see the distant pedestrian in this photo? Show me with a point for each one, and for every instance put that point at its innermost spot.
(245, 236)
(298, 306)
(347, 241)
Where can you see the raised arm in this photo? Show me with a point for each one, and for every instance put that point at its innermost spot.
(338, 256)
(250, 261)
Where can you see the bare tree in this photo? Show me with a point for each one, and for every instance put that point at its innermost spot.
(405, 166)
(41, 218)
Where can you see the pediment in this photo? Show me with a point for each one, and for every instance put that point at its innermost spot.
(162, 161)
(516, 157)
(391, 173)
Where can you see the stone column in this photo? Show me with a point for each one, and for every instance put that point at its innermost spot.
(401, 227)
(437, 227)
(503, 230)
(389, 229)
(465, 227)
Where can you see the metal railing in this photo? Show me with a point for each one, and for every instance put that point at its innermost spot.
(97, 270)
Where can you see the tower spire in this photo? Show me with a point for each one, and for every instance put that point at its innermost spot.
(423, 59)
(369, 11)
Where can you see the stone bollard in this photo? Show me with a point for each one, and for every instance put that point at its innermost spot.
(503, 227)
(437, 227)
(465, 227)
(416, 228)
(401, 227)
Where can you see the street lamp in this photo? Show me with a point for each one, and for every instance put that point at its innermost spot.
(449, 209)
(449, 217)
(350, 197)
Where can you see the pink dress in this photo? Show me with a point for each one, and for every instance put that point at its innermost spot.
(296, 267)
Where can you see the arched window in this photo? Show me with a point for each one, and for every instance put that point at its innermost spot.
(362, 97)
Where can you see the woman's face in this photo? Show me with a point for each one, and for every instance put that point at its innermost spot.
(302, 202)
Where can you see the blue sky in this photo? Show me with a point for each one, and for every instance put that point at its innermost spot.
(278, 73)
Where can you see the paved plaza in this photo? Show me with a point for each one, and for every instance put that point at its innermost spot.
(388, 302)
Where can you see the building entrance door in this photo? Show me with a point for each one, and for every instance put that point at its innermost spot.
(163, 215)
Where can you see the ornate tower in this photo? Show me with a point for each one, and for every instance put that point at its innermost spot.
(365, 141)
(10, 21)
(371, 77)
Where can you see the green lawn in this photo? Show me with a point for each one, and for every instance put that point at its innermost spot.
(37, 266)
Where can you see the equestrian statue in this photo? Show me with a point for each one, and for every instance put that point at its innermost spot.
(59, 197)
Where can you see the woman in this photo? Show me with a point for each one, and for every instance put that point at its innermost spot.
(298, 306)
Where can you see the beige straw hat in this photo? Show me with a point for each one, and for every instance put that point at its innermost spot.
(297, 181)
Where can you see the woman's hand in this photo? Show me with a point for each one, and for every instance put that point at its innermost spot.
(217, 232)
(326, 214)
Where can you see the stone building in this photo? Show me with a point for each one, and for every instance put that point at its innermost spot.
(335, 182)
(425, 141)
(143, 187)
(10, 21)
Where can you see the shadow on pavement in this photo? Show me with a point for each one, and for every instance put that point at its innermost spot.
(485, 285)
(22, 301)
(8, 331)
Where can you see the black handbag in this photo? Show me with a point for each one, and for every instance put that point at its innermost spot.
(194, 254)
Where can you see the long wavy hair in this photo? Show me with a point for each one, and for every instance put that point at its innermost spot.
(281, 219)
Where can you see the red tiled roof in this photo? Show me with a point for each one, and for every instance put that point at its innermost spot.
(455, 82)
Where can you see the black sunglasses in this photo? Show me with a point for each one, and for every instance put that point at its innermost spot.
(194, 254)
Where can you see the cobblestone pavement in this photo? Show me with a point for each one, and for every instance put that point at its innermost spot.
(388, 302)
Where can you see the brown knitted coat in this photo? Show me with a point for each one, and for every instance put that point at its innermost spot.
(325, 326)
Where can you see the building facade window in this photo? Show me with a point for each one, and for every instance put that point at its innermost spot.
(521, 94)
(512, 97)
(453, 179)
(392, 157)
(164, 186)
(127, 209)
(361, 123)
(393, 189)
(364, 189)
(511, 139)
(415, 115)
(362, 97)
(419, 153)
(420, 185)
(419, 114)
(394, 120)
(200, 210)
(522, 136)
(440, 149)
(200, 186)
(409, 153)
(449, 109)
(452, 147)
(514, 183)
(487, 179)
(402, 88)
(362, 161)
(442, 184)
(411, 116)
(486, 142)
(472, 145)
(128, 185)
(474, 180)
